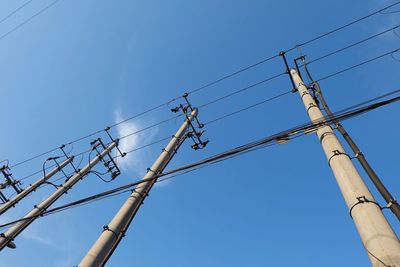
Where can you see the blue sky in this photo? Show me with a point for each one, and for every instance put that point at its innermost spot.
(83, 65)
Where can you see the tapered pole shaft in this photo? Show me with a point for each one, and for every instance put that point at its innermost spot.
(377, 236)
(17, 228)
(105, 245)
(387, 196)
(11, 203)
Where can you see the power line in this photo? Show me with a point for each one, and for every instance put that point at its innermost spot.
(357, 65)
(286, 135)
(233, 74)
(165, 138)
(344, 26)
(208, 103)
(351, 45)
(247, 108)
(201, 87)
(290, 49)
(15, 11)
(29, 19)
(242, 89)
(150, 126)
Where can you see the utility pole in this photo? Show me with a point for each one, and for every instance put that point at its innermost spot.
(16, 229)
(378, 238)
(105, 245)
(392, 203)
(12, 202)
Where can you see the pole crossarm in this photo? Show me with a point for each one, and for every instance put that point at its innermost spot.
(12, 202)
(7, 237)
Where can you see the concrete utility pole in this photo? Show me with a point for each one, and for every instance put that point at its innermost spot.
(105, 245)
(10, 203)
(392, 203)
(17, 228)
(378, 238)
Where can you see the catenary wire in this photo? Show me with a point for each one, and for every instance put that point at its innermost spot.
(29, 19)
(357, 65)
(248, 107)
(214, 82)
(291, 133)
(290, 49)
(147, 127)
(345, 25)
(15, 11)
(351, 45)
(242, 89)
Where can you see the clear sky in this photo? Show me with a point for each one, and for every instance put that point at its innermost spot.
(82, 65)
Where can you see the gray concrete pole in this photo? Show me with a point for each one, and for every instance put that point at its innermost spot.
(377, 236)
(6, 206)
(17, 228)
(105, 245)
(387, 196)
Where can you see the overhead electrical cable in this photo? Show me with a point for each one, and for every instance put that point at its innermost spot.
(344, 26)
(15, 11)
(351, 45)
(29, 19)
(357, 65)
(286, 135)
(292, 48)
(210, 83)
(150, 126)
(248, 107)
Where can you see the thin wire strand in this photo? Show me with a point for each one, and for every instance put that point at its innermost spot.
(356, 65)
(247, 108)
(15, 11)
(206, 85)
(291, 133)
(345, 26)
(242, 89)
(351, 45)
(29, 19)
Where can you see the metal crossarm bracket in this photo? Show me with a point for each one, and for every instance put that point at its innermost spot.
(108, 160)
(107, 130)
(62, 148)
(282, 54)
(9, 180)
(193, 133)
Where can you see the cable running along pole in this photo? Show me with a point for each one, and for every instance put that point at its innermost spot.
(105, 245)
(387, 196)
(377, 236)
(7, 237)
(12, 202)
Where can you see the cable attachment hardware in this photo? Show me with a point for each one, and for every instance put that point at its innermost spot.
(361, 200)
(107, 130)
(62, 148)
(194, 133)
(108, 160)
(282, 54)
(9, 181)
(337, 153)
(106, 228)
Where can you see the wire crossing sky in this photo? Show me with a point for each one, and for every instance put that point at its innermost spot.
(72, 67)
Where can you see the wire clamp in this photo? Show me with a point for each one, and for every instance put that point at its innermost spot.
(337, 153)
(311, 105)
(362, 200)
(325, 135)
(106, 228)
